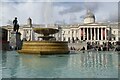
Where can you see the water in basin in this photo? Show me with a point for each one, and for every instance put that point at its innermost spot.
(80, 65)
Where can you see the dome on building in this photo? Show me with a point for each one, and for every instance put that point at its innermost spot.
(89, 17)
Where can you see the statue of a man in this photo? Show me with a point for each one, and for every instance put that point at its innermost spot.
(15, 24)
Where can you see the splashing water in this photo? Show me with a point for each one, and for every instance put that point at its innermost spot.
(47, 10)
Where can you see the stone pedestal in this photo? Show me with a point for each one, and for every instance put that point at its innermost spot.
(15, 41)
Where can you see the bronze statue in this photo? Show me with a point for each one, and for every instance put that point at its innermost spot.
(15, 24)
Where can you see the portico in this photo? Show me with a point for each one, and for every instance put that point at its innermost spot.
(93, 34)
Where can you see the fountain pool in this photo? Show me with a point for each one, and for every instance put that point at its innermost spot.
(79, 65)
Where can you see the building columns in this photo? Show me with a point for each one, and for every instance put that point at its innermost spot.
(94, 34)
(8, 36)
(91, 32)
(87, 34)
(80, 34)
(105, 34)
(98, 33)
(83, 33)
(101, 33)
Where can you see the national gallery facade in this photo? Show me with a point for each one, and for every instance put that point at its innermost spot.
(88, 31)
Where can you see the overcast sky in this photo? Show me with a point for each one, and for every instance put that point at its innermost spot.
(57, 11)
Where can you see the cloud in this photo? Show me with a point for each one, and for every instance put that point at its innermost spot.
(102, 10)
(119, 15)
(107, 11)
(71, 10)
(23, 10)
(73, 7)
(70, 7)
(65, 12)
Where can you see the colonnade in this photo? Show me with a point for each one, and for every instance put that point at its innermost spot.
(93, 34)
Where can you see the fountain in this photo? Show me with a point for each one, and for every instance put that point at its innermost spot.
(47, 45)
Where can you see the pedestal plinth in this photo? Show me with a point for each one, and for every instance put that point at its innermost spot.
(15, 41)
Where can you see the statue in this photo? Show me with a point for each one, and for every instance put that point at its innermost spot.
(16, 25)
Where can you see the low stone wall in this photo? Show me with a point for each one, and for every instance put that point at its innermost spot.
(78, 46)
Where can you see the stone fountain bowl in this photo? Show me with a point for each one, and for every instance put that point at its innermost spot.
(45, 31)
(44, 47)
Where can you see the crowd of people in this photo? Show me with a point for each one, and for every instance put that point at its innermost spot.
(105, 47)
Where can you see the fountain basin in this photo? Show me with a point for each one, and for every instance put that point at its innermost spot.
(45, 47)
(45, 31)
(46, 37)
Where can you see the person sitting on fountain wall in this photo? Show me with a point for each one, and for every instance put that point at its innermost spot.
(15, 24)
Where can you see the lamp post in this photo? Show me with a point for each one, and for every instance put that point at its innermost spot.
(109, 34)
(72, 37)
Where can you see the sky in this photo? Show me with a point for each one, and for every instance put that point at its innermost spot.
(57, 11)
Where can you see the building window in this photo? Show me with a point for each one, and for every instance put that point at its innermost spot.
(99, 33)
(81, 37)
(113, 38)
(93, 34)
(73, 41)
(68, 32)
(68, 39)
(96, 33)
(73, 32)
(26, 31)
(103, 33)
(89, 37)
(81, 33)
(103, 37)
(63, 38)
(119, 39)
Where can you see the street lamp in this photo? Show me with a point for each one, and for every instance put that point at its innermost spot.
(109, 34)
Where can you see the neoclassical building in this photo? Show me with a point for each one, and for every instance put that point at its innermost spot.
(88, 31)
